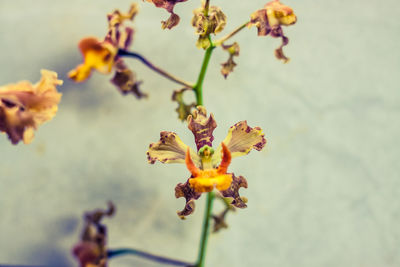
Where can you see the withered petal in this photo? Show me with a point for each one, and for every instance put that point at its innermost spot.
(171, 22)
(269, 21)
(260, 19)
(168, 5)
(125, 80)
(233, 50)
(183, 109)
(92, 249)
(219, 221)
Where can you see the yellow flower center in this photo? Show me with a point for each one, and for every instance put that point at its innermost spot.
(205, 180)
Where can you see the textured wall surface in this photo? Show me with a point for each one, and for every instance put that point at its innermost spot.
(324, 192)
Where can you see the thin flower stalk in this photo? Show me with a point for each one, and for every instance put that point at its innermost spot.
(153, 67)
(160, 259)
(230, 35)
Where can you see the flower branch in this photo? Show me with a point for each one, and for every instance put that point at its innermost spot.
(230, 35)
(122, 52)
(163, 260)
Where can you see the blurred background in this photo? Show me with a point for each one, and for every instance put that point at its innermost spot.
(324, 192)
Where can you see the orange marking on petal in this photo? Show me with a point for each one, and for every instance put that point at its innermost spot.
(190, 165)
(226, 159)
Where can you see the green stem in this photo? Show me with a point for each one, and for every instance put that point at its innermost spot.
(130, 251)
(198, 88)
(206, 230)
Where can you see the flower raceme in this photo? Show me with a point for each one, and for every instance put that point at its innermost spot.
(208, 167)
(24, 107)
(103, 55)
(269, 20)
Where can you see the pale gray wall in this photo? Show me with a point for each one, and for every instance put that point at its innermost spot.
(323, 193)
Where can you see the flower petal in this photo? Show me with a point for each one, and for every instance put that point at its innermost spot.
(202, 127)
(233, 191)
(241, 139)
(24, 107)
(125, 80)
(118, 34)
(97, 55)
(170, 149)
(233, 50)
(279, 14)
(184, 190)
(183, 109)
(92, 248)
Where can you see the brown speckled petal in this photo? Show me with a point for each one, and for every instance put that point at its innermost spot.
(233, 192)
(184, 190)
(170, 149)
(202, 127)
(241, 139)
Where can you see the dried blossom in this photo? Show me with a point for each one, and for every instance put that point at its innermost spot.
(91, 251)
(233, 50)
(183, 109)
(269, 21)
(24, 107)
(103, 55)
(213, 23)
(208, 168)
(168, 5)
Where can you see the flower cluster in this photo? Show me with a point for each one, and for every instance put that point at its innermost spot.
(91, 251)
(208, 167)
(269, 20)
(103, 55)
(205, 24)
(24, 107)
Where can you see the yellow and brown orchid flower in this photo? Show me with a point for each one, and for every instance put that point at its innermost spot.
(24, 107)
(102, 55)
(208, 167)
(269, 20)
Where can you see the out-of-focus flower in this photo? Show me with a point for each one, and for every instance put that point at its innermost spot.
(24, 107)
(214, 22)
(169, 5)
(208, 167)
(269, 21)
(103, 55)
(233, 50)
(91, 251)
